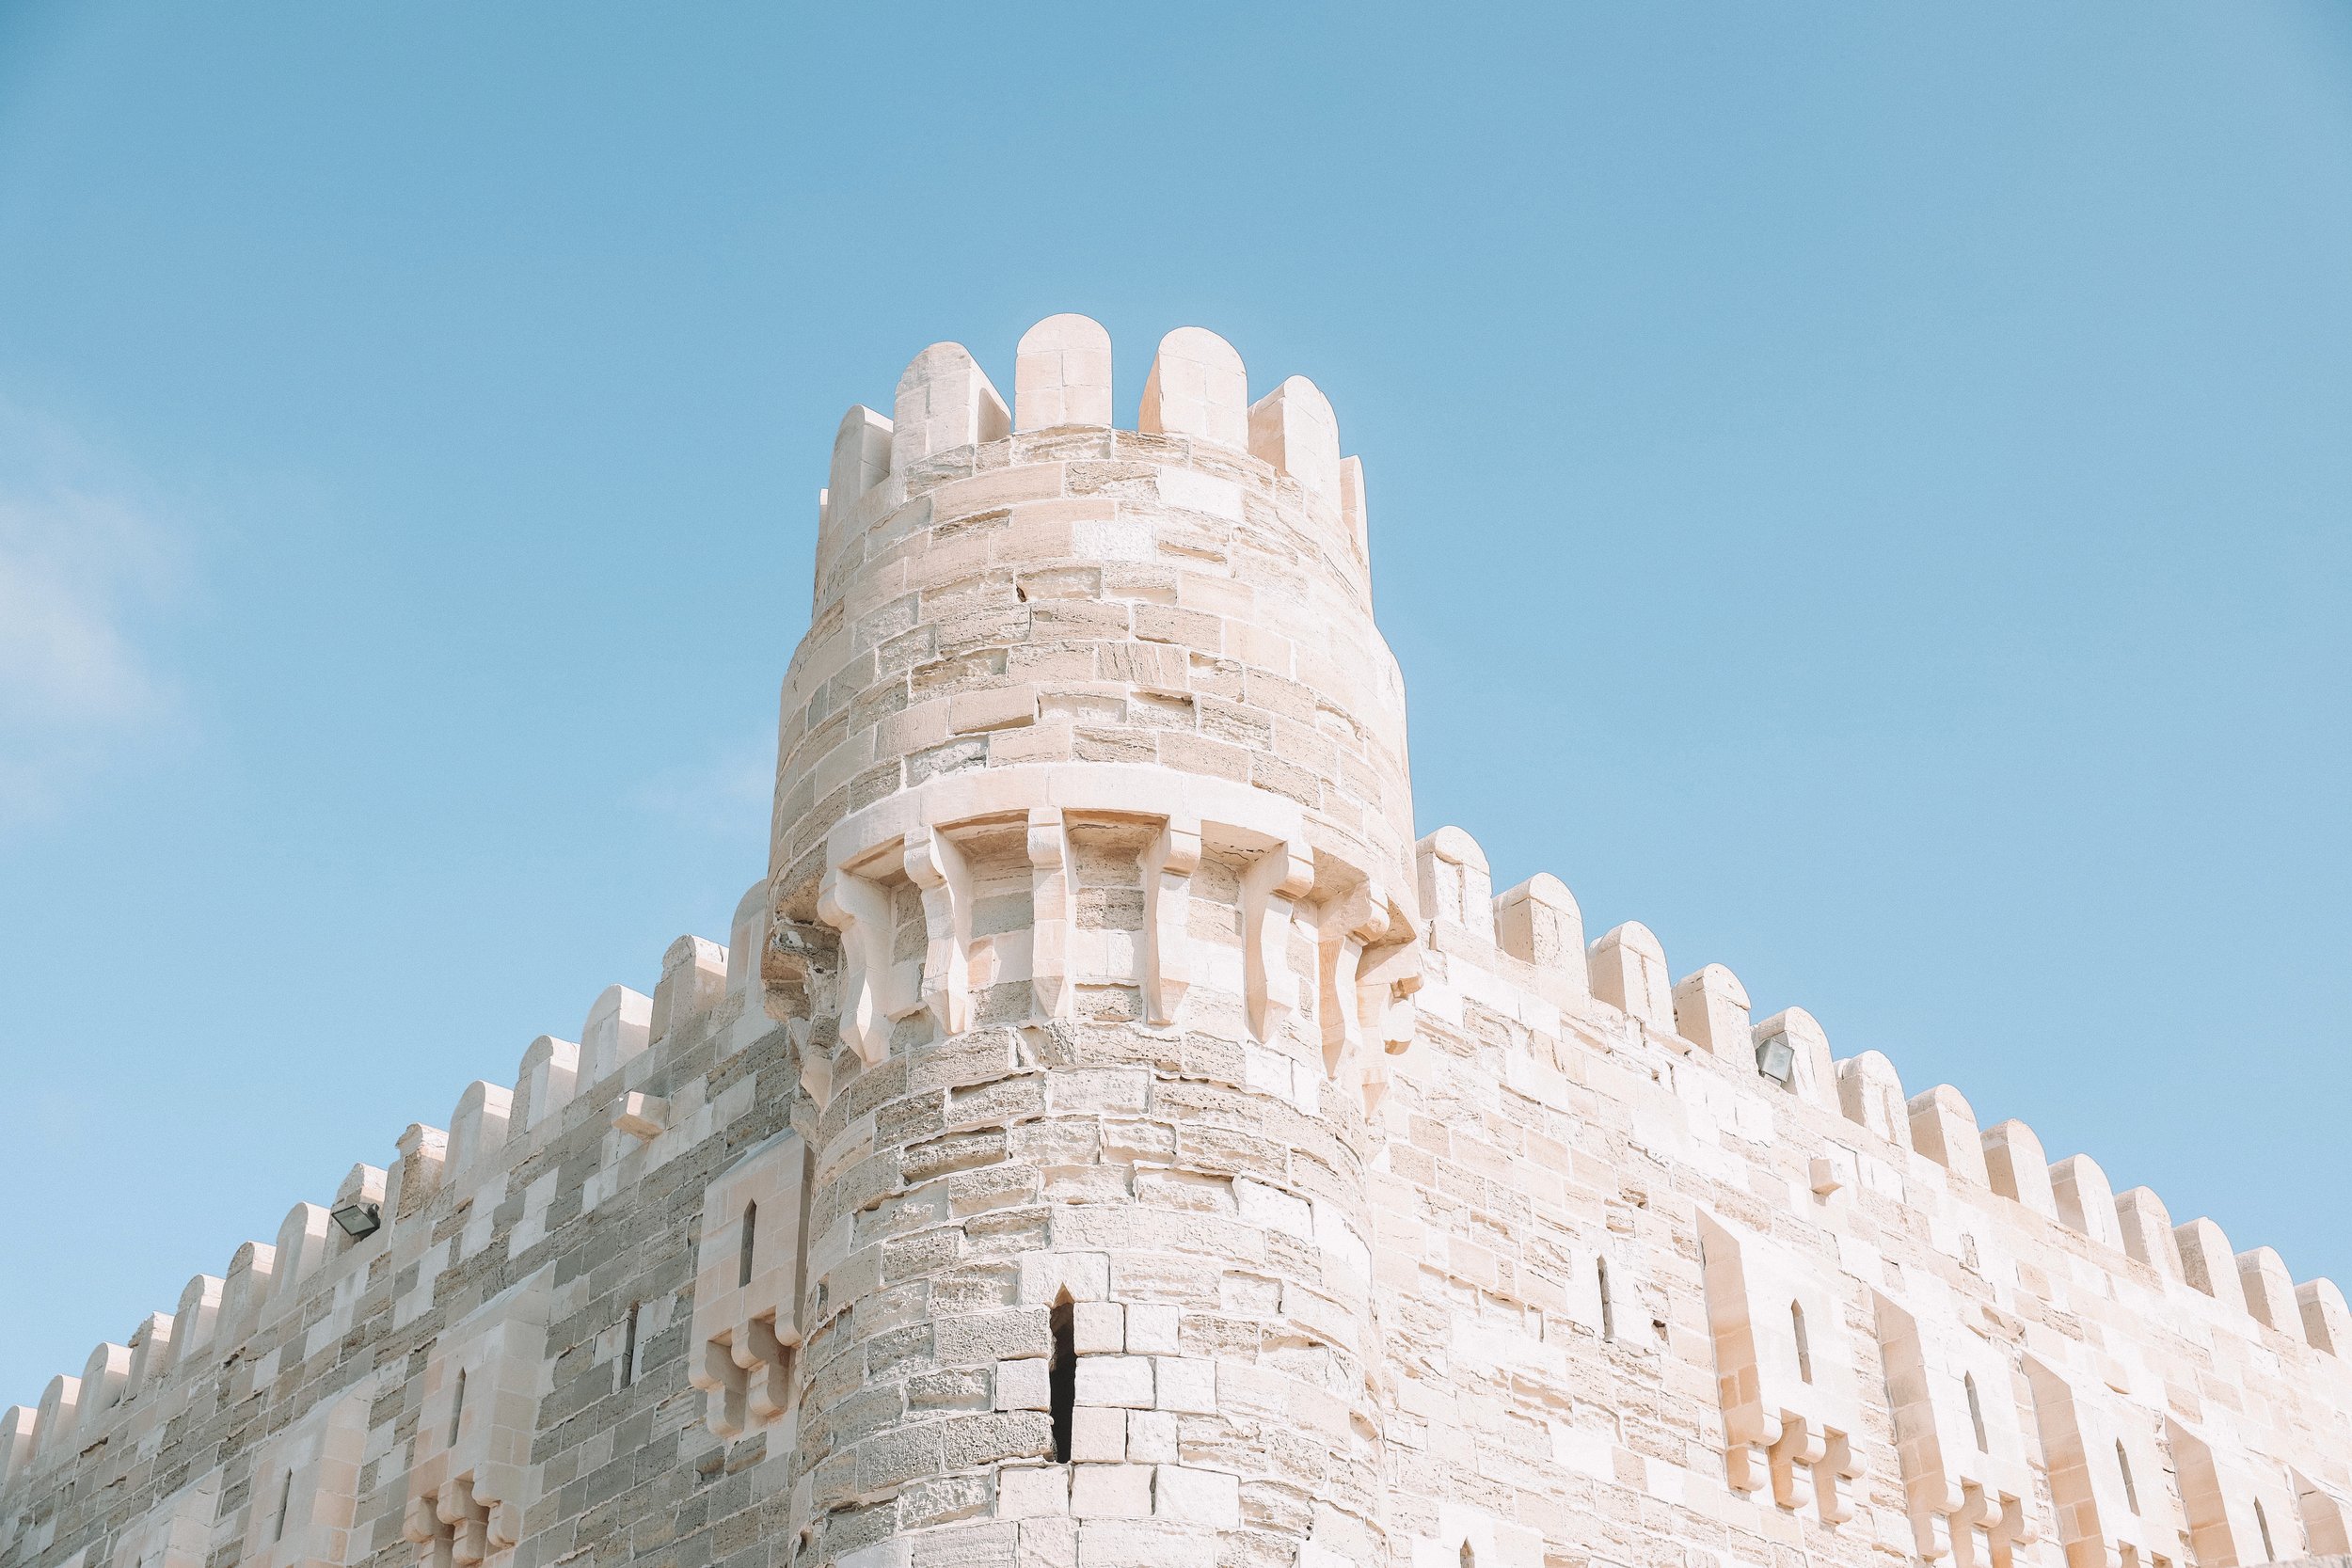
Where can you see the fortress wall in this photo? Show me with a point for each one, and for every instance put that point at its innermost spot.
(1375, 1216)
(1530, 1145)
(285, 1422)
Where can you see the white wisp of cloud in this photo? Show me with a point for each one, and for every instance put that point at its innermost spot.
(82, 567)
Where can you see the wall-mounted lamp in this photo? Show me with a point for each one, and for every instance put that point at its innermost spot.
(359, 1218)
(1775, 1059)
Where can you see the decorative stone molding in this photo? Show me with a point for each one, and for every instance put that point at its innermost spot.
(470, 1467)
(748, 1282)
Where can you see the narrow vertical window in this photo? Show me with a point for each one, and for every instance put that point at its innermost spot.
(628, 1348)
(1804, 1346)
(457, 1406)
(285, 1498)
(2124, 1463)
(1062, 1379)
(1608, 1307)
(1469, 1558)
(2261, 1522)
(1976, 1411)
(743, 1264)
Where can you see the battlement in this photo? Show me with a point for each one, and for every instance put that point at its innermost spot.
(1109, 1134)
(949, 425)
(1612, 992)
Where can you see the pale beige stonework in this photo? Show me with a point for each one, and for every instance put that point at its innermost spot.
(1110, 1136)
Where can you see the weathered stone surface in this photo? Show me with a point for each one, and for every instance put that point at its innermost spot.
(1111, 1136)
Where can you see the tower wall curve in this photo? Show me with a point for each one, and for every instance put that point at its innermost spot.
(1092, 913)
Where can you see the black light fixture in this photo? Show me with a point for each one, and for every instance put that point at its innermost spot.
(1775, 1059)
(358, 1217)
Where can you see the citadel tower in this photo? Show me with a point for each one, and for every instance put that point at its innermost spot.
(1109, 1137)
(1092, 810)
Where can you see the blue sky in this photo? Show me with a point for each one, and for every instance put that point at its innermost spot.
(1863, 490)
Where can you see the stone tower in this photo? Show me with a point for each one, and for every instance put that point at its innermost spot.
(1108, 1139)
(1092, 831)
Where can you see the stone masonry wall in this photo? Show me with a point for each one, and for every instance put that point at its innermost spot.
(1108, 1137)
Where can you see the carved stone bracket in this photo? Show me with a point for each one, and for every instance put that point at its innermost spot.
(1167, 866)
(859, 909)
(1054, 905)
(1270, 890)
(934, 865)
(1367, 955)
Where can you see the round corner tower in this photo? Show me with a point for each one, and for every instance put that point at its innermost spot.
(1090, 910)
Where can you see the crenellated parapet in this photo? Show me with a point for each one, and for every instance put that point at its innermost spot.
(1037, 588)
(1108, 1135)
(2009, 1436)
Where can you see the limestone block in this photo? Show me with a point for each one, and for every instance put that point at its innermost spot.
(1292, 428)
(2017, 1167)
(748, 1286)
(1785, 1374)
(861, 460)
(546, 1080)
(618, 1027)
(1958, 1435)
(177, 1533)
(105, 1383)
(747, 937)
(1270, 890)
(57, 1419)
(151, 1352)
(1353, 513)
(2269, 1289)
(1387, 979)
(1712, 1012)
(2326, 1522)
(1110, 1491)
(2241, 1511)
(1347, 926)
(1032, 1491)
(2327, 1321)
(1210, 1498)
(470, 1472)
(2207, 1263)
(1098, 1436)
(1026, 1384)
(2108, 1472)
(936, 864)
(1870, 1092)
(1197, 388)
(252, 1269)
(643, 1116)
(858, 907)
(1062, 375)
(1812, 1078)
(305, 1240)
(477, 1128)
(305, 1486)
(1538, 923)
(2147, 1231)
(1166, 868)
(417, 1176)
(1629, 972)
(1944, 1128)
(693, 979)
(2086, 1202)
(1455, 887)
(191, 1323)
(17, 1428)
(944, 402)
